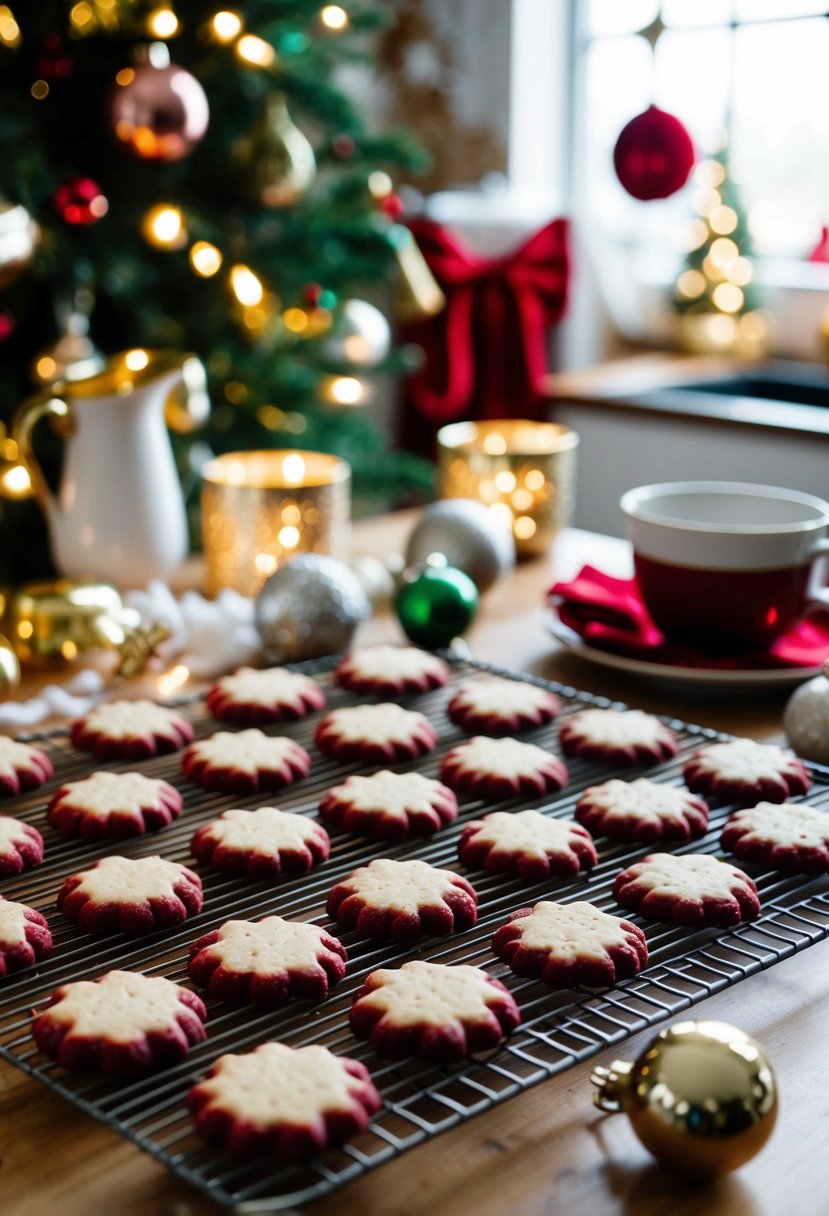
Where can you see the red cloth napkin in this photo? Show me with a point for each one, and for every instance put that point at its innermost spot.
(608, 613)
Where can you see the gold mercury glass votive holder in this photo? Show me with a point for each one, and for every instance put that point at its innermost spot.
(261, 508)
(524, 471)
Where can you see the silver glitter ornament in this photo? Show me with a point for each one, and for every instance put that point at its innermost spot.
(309, 607)
(806, 719)
(468, 535)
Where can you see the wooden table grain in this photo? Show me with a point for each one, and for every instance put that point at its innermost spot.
(548, 1150)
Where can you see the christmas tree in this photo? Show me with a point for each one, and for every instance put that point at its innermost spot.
(715, 294)
(191, 177)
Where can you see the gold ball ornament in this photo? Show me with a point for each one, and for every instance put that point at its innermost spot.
(9, 668)
(702, 1097)
(806, 718)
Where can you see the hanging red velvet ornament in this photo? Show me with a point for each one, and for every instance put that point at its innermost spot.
(80, 200)
(653, 155)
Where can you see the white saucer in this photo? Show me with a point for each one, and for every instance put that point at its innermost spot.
(688, 678)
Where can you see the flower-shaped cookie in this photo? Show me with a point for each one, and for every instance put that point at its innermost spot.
(389, 805)
(784, 837)
(21, 846)
(22, 767)
(527, 844)
(123, 1025)
(689, 889)
(494, 706)
(245, 762)
(624, 737)
(389, 671)
(571, 945)
(254, 698)
(433, 1012)
(284, 1103)
(746, 772)
(131, 730)
(267, 962)
(402, 900)
(24, 936)
(264, 843)
(642, 810)
(375, 734)
(501, 768)
(133, 896)
(113, 804)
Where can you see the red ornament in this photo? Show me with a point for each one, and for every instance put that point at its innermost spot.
(392, 206)
(820, 253)
(80, 200)
(653, 155)
(53, 62)
(343, 146)
(8, 324)
(311, 294)
(158, 113)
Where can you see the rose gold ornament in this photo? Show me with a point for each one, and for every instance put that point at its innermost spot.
(158, 111)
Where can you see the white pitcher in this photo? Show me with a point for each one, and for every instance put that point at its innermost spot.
(119, 512)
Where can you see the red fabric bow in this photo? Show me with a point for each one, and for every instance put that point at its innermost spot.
(485, 353)
(608, 614)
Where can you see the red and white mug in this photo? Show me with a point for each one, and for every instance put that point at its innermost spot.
(727, 566)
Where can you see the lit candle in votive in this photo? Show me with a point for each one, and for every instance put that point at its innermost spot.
(261, 508)
(523, 471)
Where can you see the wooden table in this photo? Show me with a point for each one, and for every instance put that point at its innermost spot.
(547, 1150)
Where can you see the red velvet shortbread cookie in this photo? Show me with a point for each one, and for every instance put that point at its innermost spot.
(284, 1103)
(123, 1025)
(784, 837)
(434, 1012)
(267, 962)
(402, 900)
(642, 810)
(245, 762)
(21, 846)
(390, 671)
(571, 945)
(264, 843)
(494, 706)
(24, 936)
(131, 730)
(22, 767)
(113, 804)
(375, 734)
(254, 698)
(526, 844)
(133, 896)
(390, 805)
(501, 768)
(688, 889)
(746, 772)
(626, 737)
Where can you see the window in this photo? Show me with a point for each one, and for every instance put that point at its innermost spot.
(756, 69)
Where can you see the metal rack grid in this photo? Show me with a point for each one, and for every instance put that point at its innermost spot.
(420, 1101)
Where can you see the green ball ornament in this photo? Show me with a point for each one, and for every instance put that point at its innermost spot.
(437, 605)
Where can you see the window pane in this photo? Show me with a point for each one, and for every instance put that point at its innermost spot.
(696, 12)
(618, 81)
(692, 70)
(611, 17)
(747, 10)
(780, 131)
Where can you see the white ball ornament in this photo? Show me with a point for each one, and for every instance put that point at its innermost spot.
(806, 719)
(362, 336)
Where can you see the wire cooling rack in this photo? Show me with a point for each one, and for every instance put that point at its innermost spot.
(420, 1101)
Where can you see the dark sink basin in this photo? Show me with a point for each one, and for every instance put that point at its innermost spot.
(786, 395)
